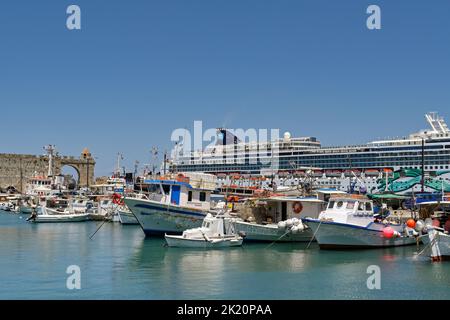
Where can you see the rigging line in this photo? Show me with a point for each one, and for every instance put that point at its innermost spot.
(314, 235)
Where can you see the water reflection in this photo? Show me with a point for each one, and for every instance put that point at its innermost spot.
(120, 263)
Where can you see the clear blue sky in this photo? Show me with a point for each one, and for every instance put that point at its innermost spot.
(139, 69)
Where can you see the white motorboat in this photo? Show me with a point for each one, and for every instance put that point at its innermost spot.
(278, 219)
(349, 223)
(216, 232)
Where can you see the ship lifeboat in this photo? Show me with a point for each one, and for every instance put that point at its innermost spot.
(372, 172)
(182, 178)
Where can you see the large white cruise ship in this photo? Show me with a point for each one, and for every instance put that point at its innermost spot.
(419, 162)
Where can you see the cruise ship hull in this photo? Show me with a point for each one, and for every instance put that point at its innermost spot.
(332, 235)
(157, 219)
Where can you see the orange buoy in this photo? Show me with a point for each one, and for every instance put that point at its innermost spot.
(411, 223)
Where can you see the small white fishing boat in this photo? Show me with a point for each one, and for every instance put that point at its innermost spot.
(437, 237)
(278, 219)
(215, 232)
(61, 211)
(74, 217)
(349, 223)
(177, 202)
(439, 242)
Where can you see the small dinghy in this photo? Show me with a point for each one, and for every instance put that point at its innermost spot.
(216, 232)
(48, 215)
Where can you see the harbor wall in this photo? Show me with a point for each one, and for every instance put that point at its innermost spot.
(16, 169)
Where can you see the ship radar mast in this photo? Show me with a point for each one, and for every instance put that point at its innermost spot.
(437, 123)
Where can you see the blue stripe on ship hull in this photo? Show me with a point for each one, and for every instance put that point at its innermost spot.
(160, 208)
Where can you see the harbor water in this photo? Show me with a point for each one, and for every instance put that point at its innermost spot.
(120, 263)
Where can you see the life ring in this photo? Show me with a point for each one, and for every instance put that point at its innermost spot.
(297, 207)
(117, 198)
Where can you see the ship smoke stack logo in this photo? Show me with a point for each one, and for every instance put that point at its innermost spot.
(234, 146)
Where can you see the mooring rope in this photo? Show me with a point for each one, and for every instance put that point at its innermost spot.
(314, 235)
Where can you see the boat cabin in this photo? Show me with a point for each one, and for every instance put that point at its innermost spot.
(57, 203)
(218, 226)
(352, 210)
(436, 211)
(179, 193)
(275, 209)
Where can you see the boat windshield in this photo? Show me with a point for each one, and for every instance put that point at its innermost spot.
(331, 204)
(205, 224)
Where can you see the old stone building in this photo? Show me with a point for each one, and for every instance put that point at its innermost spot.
(15, 169)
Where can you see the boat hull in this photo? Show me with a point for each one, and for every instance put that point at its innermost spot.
(330, 235)
(270, 233)
(127, 218)
(180, 242)
(439, 243)
(157, 219)
(55, 218)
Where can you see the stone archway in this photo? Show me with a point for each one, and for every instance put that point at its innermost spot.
(15, 169)
(76, 171)
(84, 166)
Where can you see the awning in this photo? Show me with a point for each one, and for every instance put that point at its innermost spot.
(387, 196)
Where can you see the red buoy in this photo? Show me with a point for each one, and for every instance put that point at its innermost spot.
(411, 223)
(388, 232)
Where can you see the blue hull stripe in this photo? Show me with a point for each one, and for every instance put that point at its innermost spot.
(163, 208)
(342, 224)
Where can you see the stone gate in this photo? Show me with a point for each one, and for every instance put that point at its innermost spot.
(16, 169)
